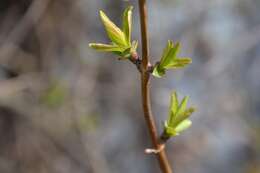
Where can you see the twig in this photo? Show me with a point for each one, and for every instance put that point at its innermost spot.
(145, 75)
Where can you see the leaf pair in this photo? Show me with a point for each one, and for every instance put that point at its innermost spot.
(120, 39)
(178, 116)
(170, 60)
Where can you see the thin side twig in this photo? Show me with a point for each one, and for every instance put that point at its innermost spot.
(145, 76)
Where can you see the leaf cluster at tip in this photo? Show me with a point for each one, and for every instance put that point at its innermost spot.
(178, 119)
(170, 60)
(120, 39)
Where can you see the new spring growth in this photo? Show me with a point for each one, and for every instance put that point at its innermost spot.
(178, 118)
(169, 60)
(121, 44)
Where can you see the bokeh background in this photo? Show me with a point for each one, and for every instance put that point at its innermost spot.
(65, 108)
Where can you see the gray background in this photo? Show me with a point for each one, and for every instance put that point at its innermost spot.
(66, 108)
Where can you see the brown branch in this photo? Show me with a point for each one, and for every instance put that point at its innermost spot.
(145, 75)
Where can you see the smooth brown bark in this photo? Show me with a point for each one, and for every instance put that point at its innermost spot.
(145, 76)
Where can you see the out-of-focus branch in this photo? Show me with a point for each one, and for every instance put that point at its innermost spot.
(19, 84)
(32, 16)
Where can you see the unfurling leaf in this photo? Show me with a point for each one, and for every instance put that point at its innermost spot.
(125, 54)
(113, 32)
(171, 56)
(105, 47)
(121, 40)
(166, 51)
(174, 103)
(169, 60)
(179, 63)
(183, 105)
(157, 72)
(185, 124)
(169, 131)
(127, 24)
(178, 116)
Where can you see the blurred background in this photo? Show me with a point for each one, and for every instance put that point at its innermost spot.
(65, 108)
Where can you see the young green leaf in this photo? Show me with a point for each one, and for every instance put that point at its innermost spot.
(157, 71)
(174, 103)
(125, 54)
(113, 32)
(121, 40)
(180, 117)
(127, 24)
(105, 47)
(171, 56)
(185, 124)
(169, 130)
(178, 63)
(169, 60)
(166, 51)
(183, 105)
